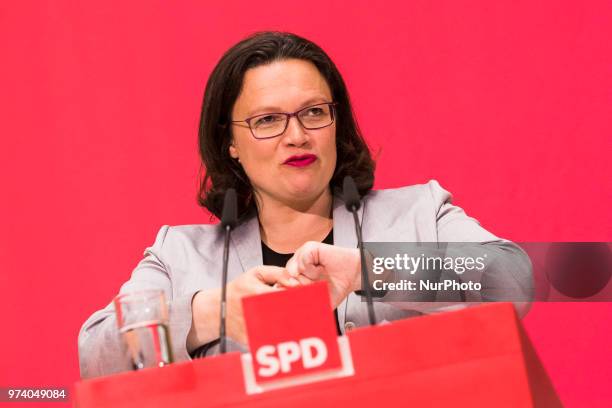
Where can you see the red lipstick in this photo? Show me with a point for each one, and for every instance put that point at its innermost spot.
(302, 160)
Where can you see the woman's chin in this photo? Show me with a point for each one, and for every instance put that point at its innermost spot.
(303, 192)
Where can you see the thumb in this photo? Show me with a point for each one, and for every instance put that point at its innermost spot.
(269, 274)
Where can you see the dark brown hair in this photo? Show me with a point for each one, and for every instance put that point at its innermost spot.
(222, 90)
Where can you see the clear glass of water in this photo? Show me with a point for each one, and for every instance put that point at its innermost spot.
(142, 318)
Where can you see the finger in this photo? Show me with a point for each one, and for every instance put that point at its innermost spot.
(259, 288)
(314, 273)
(304, 280)
(310, 270)
(269, 274)
(289, 282)
(292, 267)
(307, 260)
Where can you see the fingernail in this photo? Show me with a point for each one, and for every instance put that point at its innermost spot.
(294, 281)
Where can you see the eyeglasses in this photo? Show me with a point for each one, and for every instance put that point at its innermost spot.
(269, 125)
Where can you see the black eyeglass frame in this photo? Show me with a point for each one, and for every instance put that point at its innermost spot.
(332, 111)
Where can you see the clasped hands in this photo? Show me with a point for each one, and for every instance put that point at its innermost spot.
(315, 261)
(312, 262)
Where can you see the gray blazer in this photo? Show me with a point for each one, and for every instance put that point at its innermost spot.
(186, 259)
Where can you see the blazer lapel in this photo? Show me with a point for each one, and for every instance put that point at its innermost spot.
(247, 242)
(344, 226)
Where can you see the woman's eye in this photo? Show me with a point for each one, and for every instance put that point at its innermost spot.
(266, 120)
(315, 111)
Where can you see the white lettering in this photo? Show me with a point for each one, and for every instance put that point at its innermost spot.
(309, 344)
(268, 363)
(312, 351)
(378, 269)
(288, 352)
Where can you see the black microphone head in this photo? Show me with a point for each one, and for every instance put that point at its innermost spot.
(351, 195)
(229, 217)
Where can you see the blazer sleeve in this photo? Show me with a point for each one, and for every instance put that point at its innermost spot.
(508, 274)
(101, 351)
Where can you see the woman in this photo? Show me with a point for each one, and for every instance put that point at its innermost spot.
(277, 126)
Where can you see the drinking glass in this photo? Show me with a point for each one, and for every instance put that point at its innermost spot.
(142, 318)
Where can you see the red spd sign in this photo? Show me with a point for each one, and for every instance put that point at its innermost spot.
(291, 332)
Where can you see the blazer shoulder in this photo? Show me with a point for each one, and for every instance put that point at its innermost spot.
(430, 194)
(172, 240)
(193, 231)
(409, 212)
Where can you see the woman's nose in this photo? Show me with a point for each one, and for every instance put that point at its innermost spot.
(295, 134)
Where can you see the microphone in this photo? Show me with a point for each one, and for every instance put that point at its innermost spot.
(229, 219)
(352, 201)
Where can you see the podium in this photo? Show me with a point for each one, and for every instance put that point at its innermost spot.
(475, 357)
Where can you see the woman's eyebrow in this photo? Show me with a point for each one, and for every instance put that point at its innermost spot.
(276, 109)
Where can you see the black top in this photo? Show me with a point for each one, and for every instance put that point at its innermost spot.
(273, 258)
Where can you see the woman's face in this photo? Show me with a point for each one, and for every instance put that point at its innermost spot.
(284, 86)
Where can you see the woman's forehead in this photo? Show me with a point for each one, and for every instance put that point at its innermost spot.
(282, 85)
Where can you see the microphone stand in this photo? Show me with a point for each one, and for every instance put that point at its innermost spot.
(353, 203)
(229, 219)
(222, 335)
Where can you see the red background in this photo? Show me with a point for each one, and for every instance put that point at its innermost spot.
(506, 103)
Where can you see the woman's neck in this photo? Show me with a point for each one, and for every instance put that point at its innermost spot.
(284, 228)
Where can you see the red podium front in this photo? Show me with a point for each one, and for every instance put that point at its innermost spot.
(476, 357)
